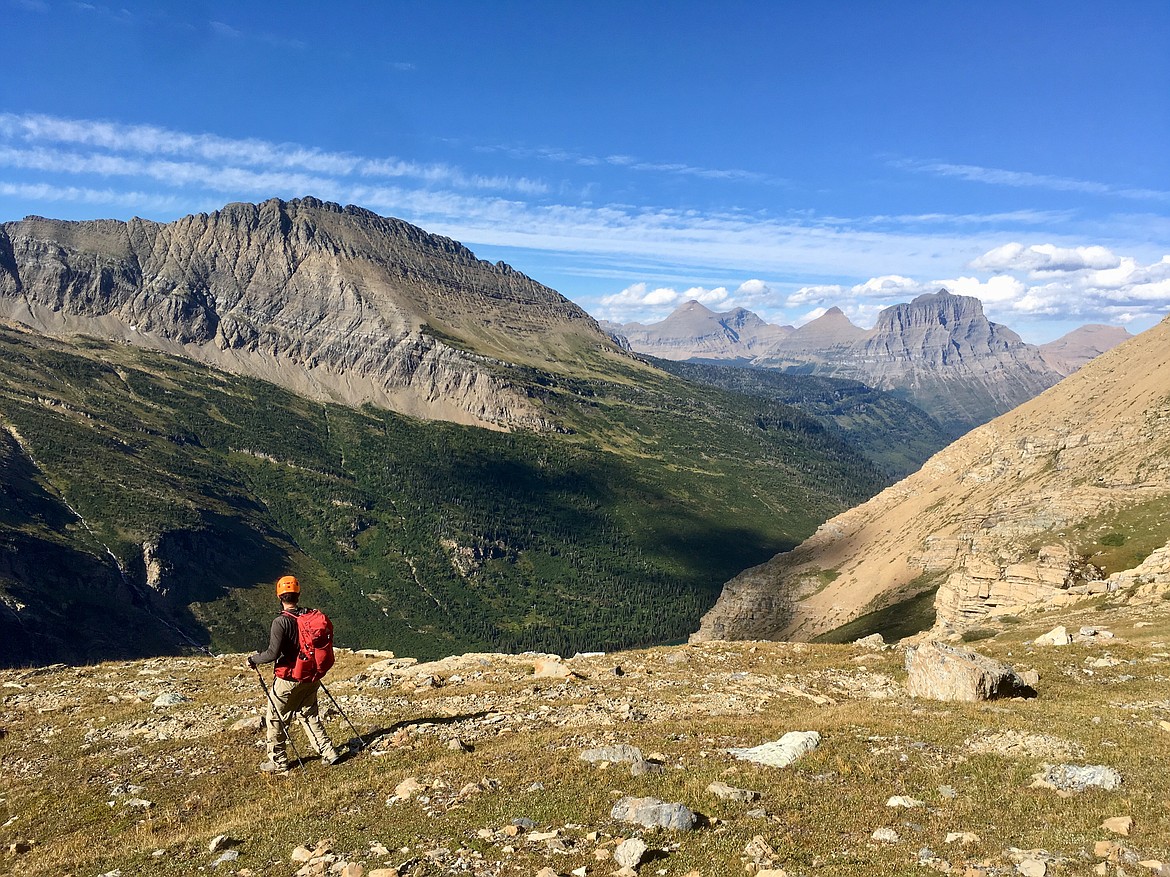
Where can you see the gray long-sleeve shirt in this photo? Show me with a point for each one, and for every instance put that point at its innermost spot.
(283, 642)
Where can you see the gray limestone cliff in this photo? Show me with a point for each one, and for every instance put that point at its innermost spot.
(333, 302)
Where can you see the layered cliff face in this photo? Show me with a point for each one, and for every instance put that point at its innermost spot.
(939, 351)
(696, 332)
(332, 302)
(1047, 504)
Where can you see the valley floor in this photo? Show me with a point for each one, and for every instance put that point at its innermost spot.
(474, 765)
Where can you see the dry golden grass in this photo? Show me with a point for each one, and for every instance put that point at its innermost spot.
(65, 755)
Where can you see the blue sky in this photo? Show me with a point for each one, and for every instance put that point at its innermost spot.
(782, 156)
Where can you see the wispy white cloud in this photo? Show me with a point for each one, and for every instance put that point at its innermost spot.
(1001, 177)
(633, 163)
(144, 201)
(121, 146)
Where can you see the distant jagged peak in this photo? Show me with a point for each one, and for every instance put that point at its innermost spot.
(832, 322)
(942, 294)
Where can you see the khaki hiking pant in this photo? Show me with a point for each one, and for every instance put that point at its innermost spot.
(288, 699)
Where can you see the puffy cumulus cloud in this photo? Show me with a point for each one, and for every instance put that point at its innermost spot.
(639, 296)
(640, 302)
(1040, 259)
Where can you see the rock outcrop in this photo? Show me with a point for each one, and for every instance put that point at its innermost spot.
(999, 521)
(329, 301)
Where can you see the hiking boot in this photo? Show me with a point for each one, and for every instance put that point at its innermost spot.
(331, 758)
(272, 767)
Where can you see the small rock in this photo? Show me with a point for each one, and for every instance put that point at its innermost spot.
(301, 855)
(1165, 726)
(549, 668)
(1118, 825)
(773, 872)
(724, 792)
(523, 823)
(1076, 778)
(168, 699)
(874, 641)
(651, 813)
(1032, 868)
(963, 838)
(1058, 636)
(886, 836)
(408, 788)
(351, 869)
(782, 752)
(1104, 849)
(139, 803)
(642, 768)
(947, 792)
(229, 856)
(629, 853)
(904, 801)
(547, 872)
(384, 872)
(221, 842)
(457, 745)
(611, 754)
(249, 723)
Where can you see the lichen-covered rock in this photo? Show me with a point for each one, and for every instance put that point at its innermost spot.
(782, 752)
(652, 813)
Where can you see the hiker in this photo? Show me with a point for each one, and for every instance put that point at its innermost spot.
(297, 678)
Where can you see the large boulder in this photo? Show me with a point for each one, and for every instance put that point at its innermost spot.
(652, 813)
(942, 672)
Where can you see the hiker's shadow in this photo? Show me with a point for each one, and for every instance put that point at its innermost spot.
(372, 737)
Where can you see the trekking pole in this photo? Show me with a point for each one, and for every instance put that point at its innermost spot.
(343, 715)
(284, 725)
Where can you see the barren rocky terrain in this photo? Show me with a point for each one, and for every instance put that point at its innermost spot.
(708, 759)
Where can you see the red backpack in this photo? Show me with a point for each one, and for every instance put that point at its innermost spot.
(315, 649)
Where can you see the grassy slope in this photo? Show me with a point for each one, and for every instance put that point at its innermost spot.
(77, 739)
(619, 532)
(898, 436)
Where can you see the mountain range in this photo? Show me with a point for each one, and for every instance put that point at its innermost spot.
(939, 351)
(1062, 499)
(189, 410)
(333, 302)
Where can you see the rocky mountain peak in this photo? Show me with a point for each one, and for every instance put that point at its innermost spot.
(331, 301)
(694, 331)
